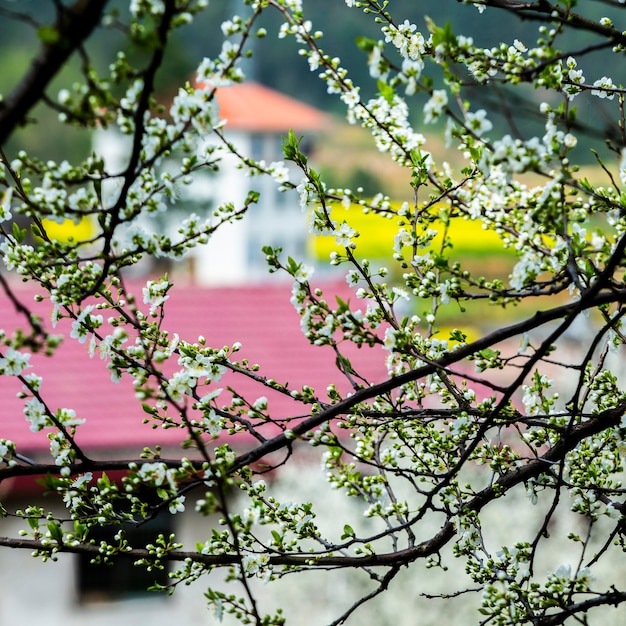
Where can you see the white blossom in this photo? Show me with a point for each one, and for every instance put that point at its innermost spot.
(36, 414)
(5, 205)
(435, 106)
(14, 362)
(155, 294)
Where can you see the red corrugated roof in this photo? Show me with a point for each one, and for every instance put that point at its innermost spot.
(260, 317)
(253, 107)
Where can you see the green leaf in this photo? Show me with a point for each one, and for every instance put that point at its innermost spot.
(316, 178)
(344, 307)
(441, 262)
(48, 34)
(50, 482)
(442, 35)
(37, 231)
(488, 353)
(97, 185)
(55, 531)
(291, 148)
(365, 43)
(343, 363)
(586, 185)
(80, 530)
(252, 197)
(386, 91)
(292, 265)
(18, 233)
(348, 532)
(458, 335)
(104, 482)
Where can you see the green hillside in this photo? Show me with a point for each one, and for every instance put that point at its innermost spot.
(19, 40)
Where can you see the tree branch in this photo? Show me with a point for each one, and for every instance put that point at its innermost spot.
(73, 26)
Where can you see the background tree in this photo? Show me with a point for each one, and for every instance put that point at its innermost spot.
(459, 426)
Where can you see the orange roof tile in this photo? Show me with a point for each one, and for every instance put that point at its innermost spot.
(254, 107)
(261, 317)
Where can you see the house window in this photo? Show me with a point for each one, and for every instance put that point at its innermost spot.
(283, 199)
(257, 146)
(121, 580)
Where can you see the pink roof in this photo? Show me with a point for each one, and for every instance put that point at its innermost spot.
(260, 317)
(254, 107)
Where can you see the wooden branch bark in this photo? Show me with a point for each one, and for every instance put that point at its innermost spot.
(72, 27)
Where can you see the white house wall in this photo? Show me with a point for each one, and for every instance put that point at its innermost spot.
(233, 255)
(33, 592)
(223, 261)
